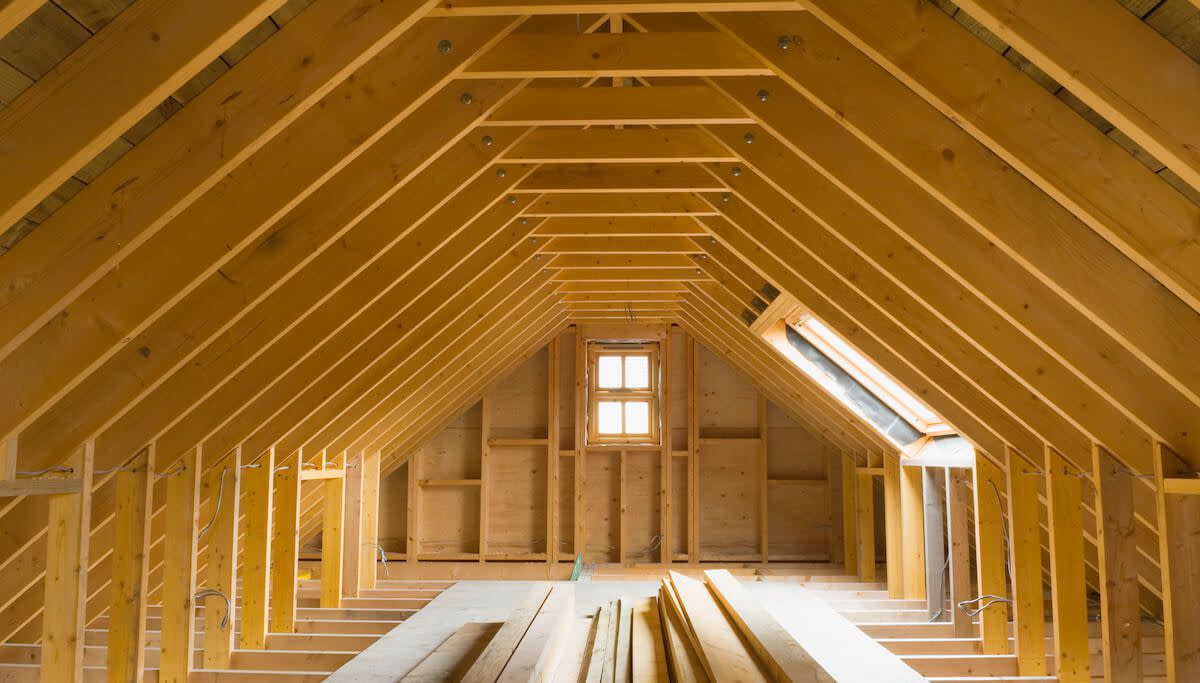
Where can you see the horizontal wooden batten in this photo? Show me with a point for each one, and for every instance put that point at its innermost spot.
(660, 105)
(309, 475)
(478, 8)
(617, 146)
(663, 204)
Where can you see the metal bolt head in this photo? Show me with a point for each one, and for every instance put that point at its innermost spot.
(763, 95)
(523, 220)
(444, 46)
(725, 198)
(512, 199)
(500, 173)
(466, 98)
(712, 240)
(785, 43)
(736, 171)
(698, 271)
(537, 257)
(487, 141)
(749, 138)
(703, 257)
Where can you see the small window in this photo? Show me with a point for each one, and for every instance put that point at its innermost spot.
(623, 393)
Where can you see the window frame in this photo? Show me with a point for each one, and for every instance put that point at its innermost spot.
(596, 394)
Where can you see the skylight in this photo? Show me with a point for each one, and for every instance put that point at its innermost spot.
(856, 381)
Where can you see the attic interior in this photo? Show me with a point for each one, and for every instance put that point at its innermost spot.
(611, 340)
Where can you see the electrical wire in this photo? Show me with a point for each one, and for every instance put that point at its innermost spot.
(217, 506)
(212, 593)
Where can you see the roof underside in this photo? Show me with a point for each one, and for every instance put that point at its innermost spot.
(328, 226)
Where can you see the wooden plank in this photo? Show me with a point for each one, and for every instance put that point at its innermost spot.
(368, 566)
(863, 518)
(912, 515)
(450, 660)
(721, 650)
(580, 442)
(73, 113)
(130, 568)
(1025, 552)
(1179, 553)
(324, 474)
(1068, 587)
(1124, 84)
(258, 484)
(763, 490)
(622, 650)
(660, 105)
(177, 640)
(693, 444)
(536, 656)
(8, 456)
(893, 526)
(1120, 611)
(332, 545)
(613, 146)
(989, 556)
(682, 659)
(222, 489)
(958, 510)
(850, 515)
(485, 448)
(13, 12)
(285, 544)
(13, 488)
(352, 528)
(786, 659)
(598, 656)
(548, 55)
(472, 8)
(415, 471)
(553, 441)
(649, 657)
(67, 559)
(495, 656)
(666, 485)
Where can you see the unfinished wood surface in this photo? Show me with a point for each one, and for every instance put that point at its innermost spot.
(598, 659)
(989, 557)
(1029, 610)
(893, 526)
(1068, 589)
(450, 660)
(67, 559)
(958, 524)
(177, 638)
(495, 656)
(647, 649)
(130, 569)
(682, 660)
(1179, 548)
(537, 655)
(864, 522)
(912, 514)
(285, 544)
(786, 659)
(1120, 611)
(721, 650)
(622, 651)
(258, 485)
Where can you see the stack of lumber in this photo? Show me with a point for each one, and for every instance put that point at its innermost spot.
(526, 647)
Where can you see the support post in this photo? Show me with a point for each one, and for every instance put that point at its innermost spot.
(864, 538)
(485, 431)
(8, 457)
(763, 502)
(352, 533)
(334, 525)
(1179, 550)
(179, 570)
(552, 441)
(285, 544)
(851, 520)
(259, 484)
(989, 556)
(1120, 611)
(958, 522)
(413, 542)
(580, 440)
(693, 361)
(69, 525)
(935, 542)
(369, 550)
(666, 486)
(130, 559)
(1025, 558)
(912, 512)
(893, 526)
(222, 489)
(1068, 589)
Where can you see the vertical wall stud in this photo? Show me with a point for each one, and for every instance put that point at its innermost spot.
(665, 485)
(693, 361)
(1067, 578)
(763, 501)
(850, 518)
(1179, 549)
(221, 488)
(552, 444)
(893, 526)
(352, 540)
(863, 492)
(332, 528)
(989, 556)
(68, 532)
(1025, 558)
(130, 559)
(8, 457)
(580, 439)
(484, 479)
(258, 484)
(958, 522)
(1120, 611)
(285, 544)
(912, 514)
(932, 492)
(179, 570)
(368, 564)
(413, 545)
